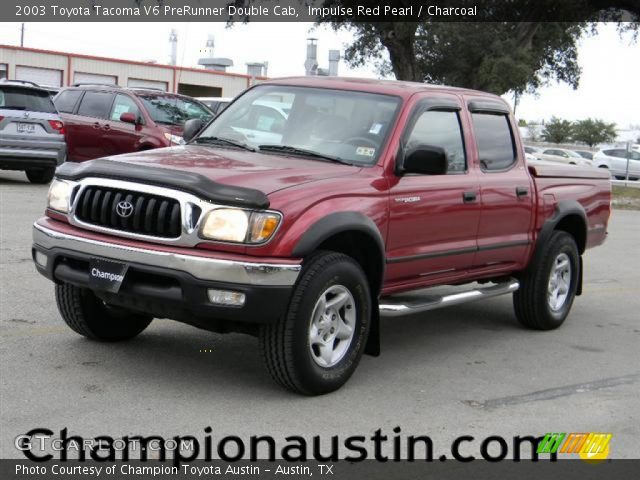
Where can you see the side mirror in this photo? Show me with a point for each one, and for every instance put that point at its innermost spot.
(426, 160)
(129, 117)
(191, 128)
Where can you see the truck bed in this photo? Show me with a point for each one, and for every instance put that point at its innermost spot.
(591, 187)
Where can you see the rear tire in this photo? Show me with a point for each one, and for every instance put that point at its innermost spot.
(548, 287)
(88, 316)
(40, 175)
(317, 344)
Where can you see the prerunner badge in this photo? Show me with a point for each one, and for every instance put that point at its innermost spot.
(106, 275)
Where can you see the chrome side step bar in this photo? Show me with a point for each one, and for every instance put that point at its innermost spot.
(399, 305)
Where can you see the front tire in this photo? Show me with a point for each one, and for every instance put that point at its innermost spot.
(317, 344)
(548, 288)
(40, 175)
(88, 316)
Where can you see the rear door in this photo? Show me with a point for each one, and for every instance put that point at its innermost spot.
(66, 103)
(434, 218)
(90, 119)
(506, 188)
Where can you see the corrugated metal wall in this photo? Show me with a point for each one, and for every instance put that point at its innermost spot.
(230, 85)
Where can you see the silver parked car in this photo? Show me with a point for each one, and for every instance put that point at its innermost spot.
(562, 155)
(31, 132)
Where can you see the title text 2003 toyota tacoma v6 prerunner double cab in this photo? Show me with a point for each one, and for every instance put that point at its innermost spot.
(307, 209)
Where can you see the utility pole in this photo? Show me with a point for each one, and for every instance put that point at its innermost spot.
(626, 176)
(22, 35)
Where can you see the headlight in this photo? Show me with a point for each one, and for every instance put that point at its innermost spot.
(174, 139)
(241, 226)
(59, 196)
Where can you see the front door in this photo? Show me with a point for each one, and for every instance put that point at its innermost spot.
(122, 137)
(433, 218)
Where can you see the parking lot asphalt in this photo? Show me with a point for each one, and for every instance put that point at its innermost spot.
(466, 370)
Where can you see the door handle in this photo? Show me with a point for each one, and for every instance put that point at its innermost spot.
(469, 197)
(107, 127)
(522, 191)
(96, 125)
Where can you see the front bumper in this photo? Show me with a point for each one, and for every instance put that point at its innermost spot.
(170, 285)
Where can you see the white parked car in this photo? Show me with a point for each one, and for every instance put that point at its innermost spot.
(530, 153)
(562, 155)
(532, 150)
(615, 159)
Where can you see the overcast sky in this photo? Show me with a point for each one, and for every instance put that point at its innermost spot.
(609, 87)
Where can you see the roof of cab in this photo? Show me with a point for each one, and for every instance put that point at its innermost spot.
(389, 87)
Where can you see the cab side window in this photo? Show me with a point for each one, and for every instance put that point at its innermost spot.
(496, 147)
(123, 104)
(442, 129)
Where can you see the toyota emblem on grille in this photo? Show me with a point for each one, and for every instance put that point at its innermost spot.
(124, 209)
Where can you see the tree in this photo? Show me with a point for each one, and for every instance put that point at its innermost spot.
(593, 132)
(534, 132)
(557, 131)
(522, 122)
(520, 55)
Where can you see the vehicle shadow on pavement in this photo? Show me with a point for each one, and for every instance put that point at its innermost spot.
(450, 328)
(176, 357)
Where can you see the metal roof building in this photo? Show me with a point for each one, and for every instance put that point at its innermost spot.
(59, 69)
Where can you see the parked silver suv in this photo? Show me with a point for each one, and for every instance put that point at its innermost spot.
(31, 132)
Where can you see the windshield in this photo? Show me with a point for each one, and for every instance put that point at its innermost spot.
(347, 126)
(172, 110)
(29, 99)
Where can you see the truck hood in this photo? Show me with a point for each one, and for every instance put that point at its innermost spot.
(265, 172)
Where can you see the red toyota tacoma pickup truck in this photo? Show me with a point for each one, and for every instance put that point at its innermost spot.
(311, 207)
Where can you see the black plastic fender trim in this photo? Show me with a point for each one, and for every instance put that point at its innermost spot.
(334, 224)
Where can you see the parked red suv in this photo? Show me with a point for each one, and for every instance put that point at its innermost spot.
(105, 120)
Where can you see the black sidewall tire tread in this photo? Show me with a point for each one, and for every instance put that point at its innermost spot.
(86, 315)
(284, 343)
(530, 300)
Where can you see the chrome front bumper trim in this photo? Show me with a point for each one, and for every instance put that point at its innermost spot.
(203, 268)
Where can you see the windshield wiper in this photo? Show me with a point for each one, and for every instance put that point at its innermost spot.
(13, 107)
(225, 141)
(301, 152)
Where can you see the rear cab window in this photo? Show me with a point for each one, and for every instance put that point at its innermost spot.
(494, 139)
(27, 99)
